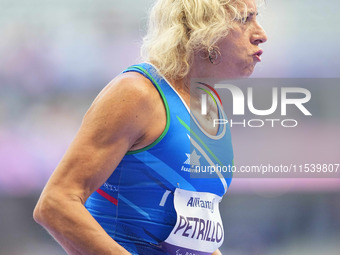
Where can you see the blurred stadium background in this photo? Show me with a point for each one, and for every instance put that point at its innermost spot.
(55, 56)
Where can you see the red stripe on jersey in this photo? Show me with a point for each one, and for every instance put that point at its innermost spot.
(213, 90)
(107, 196)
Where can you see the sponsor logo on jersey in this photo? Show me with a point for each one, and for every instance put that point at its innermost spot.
(198, 202)
(193, 160)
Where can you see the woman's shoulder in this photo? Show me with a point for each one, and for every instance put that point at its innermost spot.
(129, 102)
(127, 88)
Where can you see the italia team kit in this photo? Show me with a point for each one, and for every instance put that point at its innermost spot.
(159, 200)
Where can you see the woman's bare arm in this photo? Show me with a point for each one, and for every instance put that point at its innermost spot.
(217, 252)
(118, 120)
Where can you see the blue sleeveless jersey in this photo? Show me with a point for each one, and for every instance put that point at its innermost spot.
(135, 205)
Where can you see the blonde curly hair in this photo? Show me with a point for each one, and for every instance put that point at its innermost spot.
(178, 28)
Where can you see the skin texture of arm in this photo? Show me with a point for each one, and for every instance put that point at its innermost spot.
(121, 118)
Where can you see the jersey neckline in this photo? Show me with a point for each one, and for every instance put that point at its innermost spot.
(219, 135)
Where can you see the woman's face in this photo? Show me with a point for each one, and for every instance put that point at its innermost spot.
(240, 49)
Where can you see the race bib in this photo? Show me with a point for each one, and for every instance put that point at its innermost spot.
(199, 229)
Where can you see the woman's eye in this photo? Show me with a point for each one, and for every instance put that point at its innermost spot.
(245, 19)
(249, 17)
